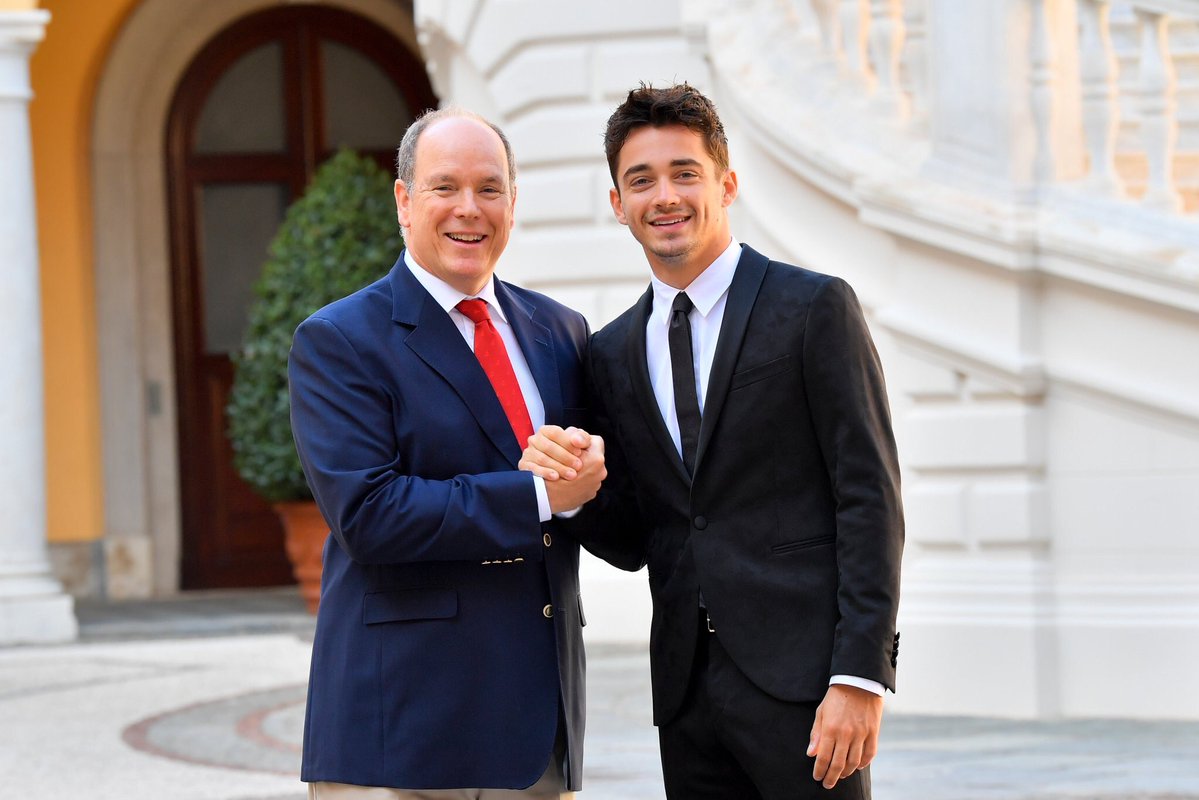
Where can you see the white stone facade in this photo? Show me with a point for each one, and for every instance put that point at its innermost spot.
(1011, 186)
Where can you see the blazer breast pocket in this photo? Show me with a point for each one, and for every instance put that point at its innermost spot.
(760, 372)
(403, 605)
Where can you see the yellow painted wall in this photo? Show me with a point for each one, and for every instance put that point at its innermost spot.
(64, 71)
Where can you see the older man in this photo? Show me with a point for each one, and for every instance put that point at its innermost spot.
(448, 661)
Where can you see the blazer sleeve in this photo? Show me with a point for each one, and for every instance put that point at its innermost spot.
(848, 399)
(376, 507)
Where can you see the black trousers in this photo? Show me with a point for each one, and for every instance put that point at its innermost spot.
(732, 741)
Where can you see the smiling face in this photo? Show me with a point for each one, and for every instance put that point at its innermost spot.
(457, 213)
(674, 199)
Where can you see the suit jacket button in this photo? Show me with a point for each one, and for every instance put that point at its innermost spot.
(545, 537)
(548, 612)
(700, 522)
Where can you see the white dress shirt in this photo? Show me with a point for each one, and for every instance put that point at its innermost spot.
(448, 298)
(709, 294)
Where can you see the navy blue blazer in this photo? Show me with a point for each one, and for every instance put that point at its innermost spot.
(448, 635)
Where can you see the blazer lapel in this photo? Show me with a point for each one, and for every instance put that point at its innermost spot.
(743, 292)
(537, 343)
(436, 341)
(644, 389)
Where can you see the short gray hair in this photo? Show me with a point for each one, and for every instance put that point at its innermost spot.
(406, 155)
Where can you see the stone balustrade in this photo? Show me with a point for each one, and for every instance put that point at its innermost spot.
(1122, 69)
(1153, 170)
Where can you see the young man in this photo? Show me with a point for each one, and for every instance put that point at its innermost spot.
(448, 659)
(752, 466)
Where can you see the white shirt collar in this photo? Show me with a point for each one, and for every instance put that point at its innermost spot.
(447, 296)
(707, 288)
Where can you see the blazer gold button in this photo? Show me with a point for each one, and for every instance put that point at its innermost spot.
(545, 537)
(548, 612)
(700, 522)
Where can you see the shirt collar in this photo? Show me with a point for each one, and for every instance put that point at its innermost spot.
(447, 296)
(707, 288)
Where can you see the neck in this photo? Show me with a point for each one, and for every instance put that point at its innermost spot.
(678, 276)
(680, 272)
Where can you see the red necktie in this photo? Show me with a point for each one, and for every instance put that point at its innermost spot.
(493, 356)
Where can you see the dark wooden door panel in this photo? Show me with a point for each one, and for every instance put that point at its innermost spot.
(241, 541)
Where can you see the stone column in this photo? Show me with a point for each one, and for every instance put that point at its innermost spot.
(33, 606)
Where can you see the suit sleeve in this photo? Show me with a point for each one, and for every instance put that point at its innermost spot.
(610, 526)
(378, 511)
(848, 399)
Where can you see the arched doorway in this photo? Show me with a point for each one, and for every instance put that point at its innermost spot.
(258, 109)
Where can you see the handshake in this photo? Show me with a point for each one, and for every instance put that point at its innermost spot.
(570, 460)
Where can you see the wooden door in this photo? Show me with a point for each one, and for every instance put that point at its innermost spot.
(260, 107)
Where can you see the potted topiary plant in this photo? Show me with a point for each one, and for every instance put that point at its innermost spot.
(336, 238)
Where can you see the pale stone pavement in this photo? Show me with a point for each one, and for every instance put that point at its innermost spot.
(202, 697)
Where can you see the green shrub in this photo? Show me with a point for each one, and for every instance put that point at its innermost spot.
(339, 236)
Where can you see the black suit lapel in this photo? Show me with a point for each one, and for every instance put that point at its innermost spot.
(643, 389)
(436, 341)
(743, 292)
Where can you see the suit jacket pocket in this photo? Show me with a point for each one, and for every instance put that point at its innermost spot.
(400, 605)
(760, 372)
(801, 544)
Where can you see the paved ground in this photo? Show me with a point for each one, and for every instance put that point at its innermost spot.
(202, 698)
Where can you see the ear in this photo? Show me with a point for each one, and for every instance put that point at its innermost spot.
(403, 204)
(617, 206)
(729, 185)
(512, 209)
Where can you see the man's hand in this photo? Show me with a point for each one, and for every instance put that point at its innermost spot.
(845, 733)
(572, 493)
(571, 454)
(555, 452)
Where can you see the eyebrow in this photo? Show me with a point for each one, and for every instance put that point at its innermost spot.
(678, 162)
(447, 178)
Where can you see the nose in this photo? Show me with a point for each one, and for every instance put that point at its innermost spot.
(666, 194)
(468, 205)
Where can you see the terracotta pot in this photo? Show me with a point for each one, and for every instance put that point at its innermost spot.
(304, 531)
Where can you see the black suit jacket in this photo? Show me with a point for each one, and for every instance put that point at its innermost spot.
(448, 637)
(792, 525)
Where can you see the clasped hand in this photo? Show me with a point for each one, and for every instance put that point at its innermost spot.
(570, 460)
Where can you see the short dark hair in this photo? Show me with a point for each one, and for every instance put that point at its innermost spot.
(406, 154)
(680, 104)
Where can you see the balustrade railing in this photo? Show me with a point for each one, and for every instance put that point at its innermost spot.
(1135, 59)
(1149, 165)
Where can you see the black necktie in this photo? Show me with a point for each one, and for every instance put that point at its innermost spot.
(682, 369)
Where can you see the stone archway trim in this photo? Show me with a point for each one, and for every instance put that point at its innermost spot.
(141, 543)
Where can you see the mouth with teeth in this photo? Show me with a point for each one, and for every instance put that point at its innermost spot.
(466, 238)
(667, 222)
